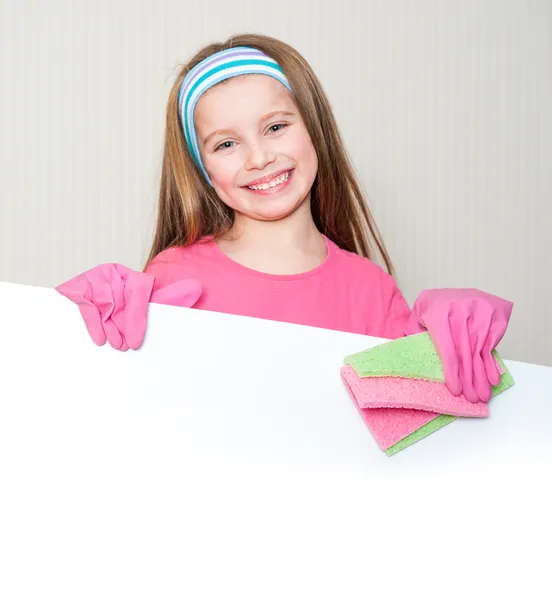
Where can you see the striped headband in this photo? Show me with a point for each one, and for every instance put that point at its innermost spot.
(213, 70)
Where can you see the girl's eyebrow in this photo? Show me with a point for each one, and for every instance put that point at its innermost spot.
(284, 113)
(217, 132)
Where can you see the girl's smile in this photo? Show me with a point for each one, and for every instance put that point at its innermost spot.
(270, 185)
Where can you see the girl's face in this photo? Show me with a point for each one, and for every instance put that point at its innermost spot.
(255, 147)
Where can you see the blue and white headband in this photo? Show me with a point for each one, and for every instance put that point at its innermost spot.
(213, 70)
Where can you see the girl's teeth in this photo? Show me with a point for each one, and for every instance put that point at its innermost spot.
(277, 181)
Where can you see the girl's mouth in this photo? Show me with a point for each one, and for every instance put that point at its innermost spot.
(273, 186)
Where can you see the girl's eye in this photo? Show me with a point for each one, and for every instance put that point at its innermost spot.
(223, 146)
(277, 127)
(272, 129)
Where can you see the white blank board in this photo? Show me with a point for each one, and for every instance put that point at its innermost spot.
(225, 459)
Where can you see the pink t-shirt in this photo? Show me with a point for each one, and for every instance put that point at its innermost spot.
(346, 292)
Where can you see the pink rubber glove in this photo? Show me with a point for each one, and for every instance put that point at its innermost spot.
(113, 301)
(465, 326)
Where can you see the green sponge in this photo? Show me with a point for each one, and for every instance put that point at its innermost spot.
(412, 357)
(420, 434)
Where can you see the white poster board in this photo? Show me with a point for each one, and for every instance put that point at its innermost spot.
(225, 459)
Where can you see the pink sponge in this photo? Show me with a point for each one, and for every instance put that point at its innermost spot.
(390, 425)
(418, 394)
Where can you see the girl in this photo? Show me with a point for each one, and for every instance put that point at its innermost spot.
(261, 215)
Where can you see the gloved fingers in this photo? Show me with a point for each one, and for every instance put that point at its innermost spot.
(496, 333)
(479, 325)
(93, 321)
(464, 352)
(137, 297)
(112, 287)
(136, 319)
(79, 291)
(492, 368)
(113, 334)
(123, 298)
(446, 349)
(481, 383)
(109, 298)
(184, 293)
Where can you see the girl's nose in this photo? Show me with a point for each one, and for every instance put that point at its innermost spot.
(258, 157)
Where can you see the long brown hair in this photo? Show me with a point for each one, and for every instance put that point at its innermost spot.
(189, 208)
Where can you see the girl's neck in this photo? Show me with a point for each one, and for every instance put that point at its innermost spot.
(286, 247)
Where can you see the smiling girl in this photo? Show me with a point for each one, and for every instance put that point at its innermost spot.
(261, 215)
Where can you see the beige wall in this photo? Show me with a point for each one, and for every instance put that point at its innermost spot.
(444, 106)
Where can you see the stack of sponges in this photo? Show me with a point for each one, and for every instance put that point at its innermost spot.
(400, 391)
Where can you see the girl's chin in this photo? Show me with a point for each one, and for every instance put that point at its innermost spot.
(271, 211)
